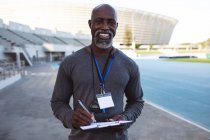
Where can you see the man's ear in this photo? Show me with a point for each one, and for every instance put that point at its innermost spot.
(117, 25)
(89, 23)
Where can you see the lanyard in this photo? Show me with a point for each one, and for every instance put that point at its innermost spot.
(103, 76)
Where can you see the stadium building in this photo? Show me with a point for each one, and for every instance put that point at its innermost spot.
(20, 42)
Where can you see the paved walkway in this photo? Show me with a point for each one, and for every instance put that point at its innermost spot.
(25, 114)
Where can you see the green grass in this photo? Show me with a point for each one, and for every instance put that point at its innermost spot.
(193, 51)
(148, 52)
(198, 60)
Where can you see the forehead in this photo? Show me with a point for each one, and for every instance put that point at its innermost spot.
(104, 12)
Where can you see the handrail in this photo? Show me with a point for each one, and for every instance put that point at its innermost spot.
(9, 69)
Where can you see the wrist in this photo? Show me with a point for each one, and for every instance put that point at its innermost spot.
(124, 116)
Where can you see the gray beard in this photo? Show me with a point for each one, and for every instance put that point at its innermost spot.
(103, 44)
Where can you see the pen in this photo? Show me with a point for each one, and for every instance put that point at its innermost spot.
(83, 107)
(81, 104)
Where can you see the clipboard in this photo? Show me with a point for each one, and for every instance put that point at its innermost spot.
(97, 125)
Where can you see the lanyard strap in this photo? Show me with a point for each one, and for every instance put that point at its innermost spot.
(102, 77)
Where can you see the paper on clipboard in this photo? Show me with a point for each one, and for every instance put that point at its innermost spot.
(103, 124)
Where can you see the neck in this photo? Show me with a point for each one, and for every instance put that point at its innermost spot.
(100, 51)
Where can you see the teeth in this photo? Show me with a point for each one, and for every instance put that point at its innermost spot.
(104, 36)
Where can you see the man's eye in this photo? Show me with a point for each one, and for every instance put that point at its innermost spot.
(112, 22)
(98, 21)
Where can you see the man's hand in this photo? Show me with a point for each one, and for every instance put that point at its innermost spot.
(118, 118)
(81, 117)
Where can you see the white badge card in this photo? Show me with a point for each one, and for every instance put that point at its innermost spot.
(105, 100)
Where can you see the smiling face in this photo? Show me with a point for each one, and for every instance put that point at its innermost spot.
(103, 25)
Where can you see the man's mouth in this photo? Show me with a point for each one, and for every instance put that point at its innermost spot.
(104, 36)
(103, 39)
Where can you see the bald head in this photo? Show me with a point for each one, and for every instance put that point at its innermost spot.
(102, 7)
(103, 25)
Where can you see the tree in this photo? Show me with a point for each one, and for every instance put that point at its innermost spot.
(137, 46)
(150, 46)
(128, 36)
(203, 44)
(208, 42)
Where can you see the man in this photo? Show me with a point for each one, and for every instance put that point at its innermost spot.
(96, 71)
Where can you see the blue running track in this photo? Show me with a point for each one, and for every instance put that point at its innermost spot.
(179, 87)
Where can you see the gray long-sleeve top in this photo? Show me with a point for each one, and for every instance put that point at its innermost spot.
(77, 77)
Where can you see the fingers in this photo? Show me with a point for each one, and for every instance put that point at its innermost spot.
(81, 117)
(116, 118)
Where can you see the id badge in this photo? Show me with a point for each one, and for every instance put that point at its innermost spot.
(105, 100)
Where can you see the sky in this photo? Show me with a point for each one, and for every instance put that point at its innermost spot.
(193, 15)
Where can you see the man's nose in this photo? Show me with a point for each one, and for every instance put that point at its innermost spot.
(105, 25)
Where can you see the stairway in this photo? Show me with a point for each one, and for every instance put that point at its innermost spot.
(23, 54)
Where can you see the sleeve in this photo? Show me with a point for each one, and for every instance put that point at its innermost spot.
(61, 97)
(134, 95)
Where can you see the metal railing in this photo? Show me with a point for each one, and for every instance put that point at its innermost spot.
(9, 69)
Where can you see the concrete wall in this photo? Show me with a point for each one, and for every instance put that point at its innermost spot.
(9, 81)
(1, 23)
(35, 51)
(19, 27)
(2, 55)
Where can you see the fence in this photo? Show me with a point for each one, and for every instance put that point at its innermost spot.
(9, 69)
